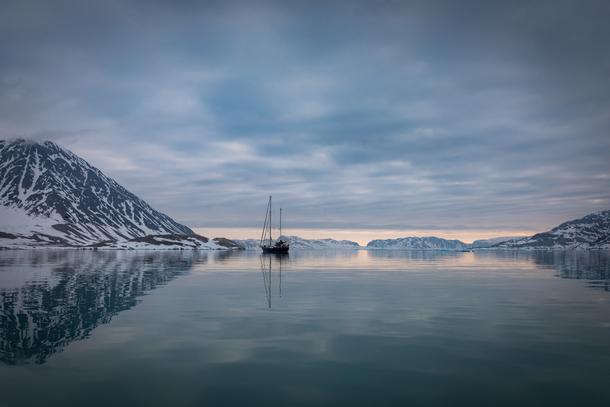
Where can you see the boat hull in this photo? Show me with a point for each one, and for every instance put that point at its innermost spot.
(275, 249)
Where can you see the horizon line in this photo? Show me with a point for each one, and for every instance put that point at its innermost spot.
(363, 236)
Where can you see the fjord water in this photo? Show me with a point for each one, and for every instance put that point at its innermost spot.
(95, 328)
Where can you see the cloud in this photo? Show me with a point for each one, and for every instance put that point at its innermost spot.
(356, 114)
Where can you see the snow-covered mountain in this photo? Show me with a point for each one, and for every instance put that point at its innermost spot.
(300, 243)
(50, 196)
(248, 244)
(494, 241)
(419, 243)
(590, 232)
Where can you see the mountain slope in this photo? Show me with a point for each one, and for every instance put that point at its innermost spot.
(47, 193)
(589, 232)
(418, 243)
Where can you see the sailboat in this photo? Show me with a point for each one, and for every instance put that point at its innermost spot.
(267, 243)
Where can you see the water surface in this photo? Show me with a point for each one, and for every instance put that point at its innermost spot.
(93, 328)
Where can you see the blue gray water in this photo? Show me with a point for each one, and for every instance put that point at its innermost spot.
(353, 328)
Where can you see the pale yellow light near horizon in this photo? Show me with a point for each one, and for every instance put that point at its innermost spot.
(363, 236)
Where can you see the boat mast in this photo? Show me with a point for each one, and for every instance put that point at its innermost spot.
(270, 220)
(263, 236)
(280, 222)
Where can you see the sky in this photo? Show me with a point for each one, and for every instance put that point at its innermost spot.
(459, 119)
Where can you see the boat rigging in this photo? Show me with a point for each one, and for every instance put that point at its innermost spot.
(267, 243)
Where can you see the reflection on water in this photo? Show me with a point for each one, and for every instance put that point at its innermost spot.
(593, 266)
(78, 291)
(81, 291)
(267, 260)
(350, 327)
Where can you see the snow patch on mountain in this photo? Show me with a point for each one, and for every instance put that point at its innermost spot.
(16, 220)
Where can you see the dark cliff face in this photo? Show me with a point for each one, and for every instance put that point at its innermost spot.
(44, 179)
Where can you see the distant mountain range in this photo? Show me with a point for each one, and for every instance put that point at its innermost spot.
(51, 197)
(300, 243)
(590, 232)
(404, 243)
(494, 241)
(419, 243)
(436, 243)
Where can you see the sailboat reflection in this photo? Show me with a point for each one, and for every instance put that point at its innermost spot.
(267, 260)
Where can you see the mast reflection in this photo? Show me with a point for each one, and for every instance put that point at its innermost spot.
(266, 262)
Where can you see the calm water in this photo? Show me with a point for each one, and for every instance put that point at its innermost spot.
(352, 328)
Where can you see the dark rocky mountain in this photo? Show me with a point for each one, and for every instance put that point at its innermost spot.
(50, 196)
(590, 232)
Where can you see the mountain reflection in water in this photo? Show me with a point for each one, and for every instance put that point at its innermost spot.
(81, 291)
(49, 299)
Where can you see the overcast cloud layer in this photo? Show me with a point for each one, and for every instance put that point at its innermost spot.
(427, 115)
